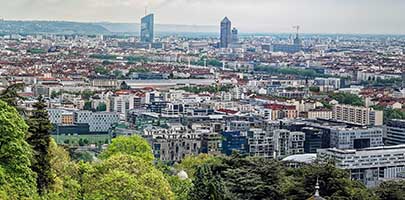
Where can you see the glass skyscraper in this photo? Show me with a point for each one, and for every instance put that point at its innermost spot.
(226, 34)
(147, 23)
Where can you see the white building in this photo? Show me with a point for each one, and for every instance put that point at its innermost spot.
(370, 165)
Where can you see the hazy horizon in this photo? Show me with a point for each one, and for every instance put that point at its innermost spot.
(254, 16)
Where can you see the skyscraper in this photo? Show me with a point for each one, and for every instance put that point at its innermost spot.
(235, 38)
(226, 35)
(147, 24)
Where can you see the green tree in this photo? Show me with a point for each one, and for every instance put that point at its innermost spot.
(334, 183)
(101, 107)
(208, 185)
(125, 177)
(87, 105)
(133, 145)
(252, 178)
(11, 97)
(39, 138)
(17, 180)
(347, 98)
(391, 190)
(190, 163)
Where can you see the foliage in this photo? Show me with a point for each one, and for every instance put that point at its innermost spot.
(39, 138)
(334, 183)
(289, 71)
(209, 62)
(17, 180)
(190, 163)
(82, 156)
(138, 70)
(101, 107)
(11, 97)
(87, 106)
(391, 190)
(347, 98)
(133, 145)
(210, 89)
(101, 70)
(208, 185)
(125, 177)
(390, 113)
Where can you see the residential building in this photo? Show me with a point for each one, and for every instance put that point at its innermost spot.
(357, 115)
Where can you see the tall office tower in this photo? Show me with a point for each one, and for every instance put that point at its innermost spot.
(226, 35)
(147, 23)
(235, 38)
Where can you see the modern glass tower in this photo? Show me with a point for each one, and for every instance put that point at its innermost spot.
(235, 38)
(147, 24)
(226, 34)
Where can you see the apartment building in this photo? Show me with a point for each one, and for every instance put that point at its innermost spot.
(357, 115)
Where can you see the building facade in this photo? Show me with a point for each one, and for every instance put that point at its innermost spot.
(147, 28)
(226, 35)
(357, 115)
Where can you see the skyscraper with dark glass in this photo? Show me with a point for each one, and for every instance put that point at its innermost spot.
(226, 34)
(235, 38)
(147, 24)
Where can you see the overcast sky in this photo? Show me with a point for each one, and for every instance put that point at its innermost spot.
(314, 16)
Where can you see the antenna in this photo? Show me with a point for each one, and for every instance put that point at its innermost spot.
(297, 27)
(146, 10)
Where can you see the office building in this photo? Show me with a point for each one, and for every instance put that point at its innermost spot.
(235, 37)
(99, 122)
(147, 29)
(370, 165)
(356, 115)
(288, 143)
(356, 138)
(395, 132)
(226, 35)
(234, 141)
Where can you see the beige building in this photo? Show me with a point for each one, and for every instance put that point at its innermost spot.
(357, 115)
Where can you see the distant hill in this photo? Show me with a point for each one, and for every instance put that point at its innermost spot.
(105, 28)
(135, 28)
(50, 27)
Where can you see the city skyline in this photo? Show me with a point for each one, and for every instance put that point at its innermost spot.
(275, 16)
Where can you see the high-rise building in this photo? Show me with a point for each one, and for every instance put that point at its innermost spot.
(226, 35)
(147, 32)
(235, 38)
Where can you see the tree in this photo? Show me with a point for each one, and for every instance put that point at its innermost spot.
(125, 177)
(39, 138)
(207, 185)
(334, 183)
(391, 190)
(87, 105)
(124, 86)
(17, 180)
(190, 163)
(252, 177)
(133, 145)
(11, 96)
(101, 107)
